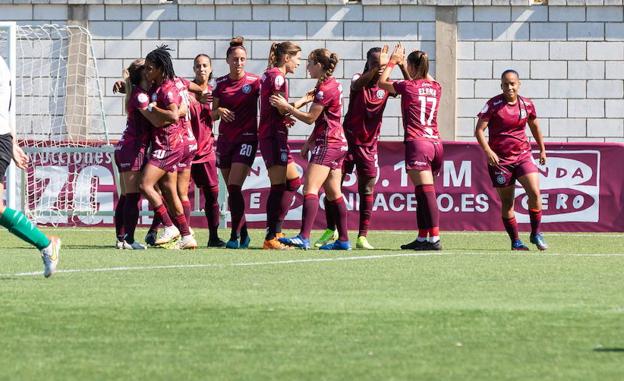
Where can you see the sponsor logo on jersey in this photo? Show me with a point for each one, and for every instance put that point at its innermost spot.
(279, 81)
(142, 98)
(247, 89)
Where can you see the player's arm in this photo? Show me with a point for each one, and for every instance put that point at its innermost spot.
(403, 66)
(19, 156)
(304, 100)
(306, 117)
(398, 55)
(309, 143)
(159, 117)
(539, 139)
(221, 112)
(360, 82)
(480, 135)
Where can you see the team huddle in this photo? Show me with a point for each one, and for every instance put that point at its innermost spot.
(169, 140)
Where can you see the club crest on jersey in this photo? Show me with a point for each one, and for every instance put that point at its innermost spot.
(142, 98)
(283, 157)
(523, 113)
(500, 179)
(320, 95)
(381, 94)
(170, 96)
(247, 89)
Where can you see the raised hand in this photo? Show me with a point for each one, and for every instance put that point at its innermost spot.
(398, 55)
(383, 56)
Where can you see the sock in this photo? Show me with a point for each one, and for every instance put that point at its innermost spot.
(341, 218)
(212, 211)
(156, 221)
(434, 234)
(511, 226)
(366, 211)
(119, 222)
(274, 205)
(330, 214)
(432, 217)
(17, 223)
(421, 212)
(287, 199)
(536, 219)
(236, 203)
(186, 206)
(243, 229)
(161, 212)
(310, 208)
(183, 225)
(131, 215)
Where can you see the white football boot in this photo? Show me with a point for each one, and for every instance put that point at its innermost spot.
(50, 256)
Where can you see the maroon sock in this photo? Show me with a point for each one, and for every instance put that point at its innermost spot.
(212, 211)
(131, 215)
(421, 210)
(119, 222)
(330, 213)
(511, 226)
(182, 225)
(341, 218)
(287, 199)
(366, 211)
(161, 213)
(432, 217)
(536, 219)
(236, 203)
(310, 208)
(274, 204)
(186, 206)
(156, 221)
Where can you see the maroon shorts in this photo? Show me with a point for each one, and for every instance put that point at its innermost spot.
(129, 157)
(424, 155)
(228, 153)
(505, 175)
(331, 157)
(275, 151)
(190, 147)
(363, 158)
(205, 174)
(167, 160)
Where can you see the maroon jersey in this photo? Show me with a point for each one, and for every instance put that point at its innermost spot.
(420, 99)
(507, 124)
(167, 137)
(201, 122)
(137, 130)
(362, 124)
(272, 122)
(327, 128)
(240, 97)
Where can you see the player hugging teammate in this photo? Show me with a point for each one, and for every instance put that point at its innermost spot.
(169, 139)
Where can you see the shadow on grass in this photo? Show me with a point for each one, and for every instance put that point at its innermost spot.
(601, 349)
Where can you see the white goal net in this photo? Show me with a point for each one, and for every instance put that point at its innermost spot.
(59, 120)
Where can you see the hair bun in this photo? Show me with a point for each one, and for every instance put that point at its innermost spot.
(237, 41)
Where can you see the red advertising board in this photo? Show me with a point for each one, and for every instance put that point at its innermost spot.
(581, 189)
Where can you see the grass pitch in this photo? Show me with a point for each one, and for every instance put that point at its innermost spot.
(476, 311)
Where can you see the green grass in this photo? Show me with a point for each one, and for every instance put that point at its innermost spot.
(475, 312)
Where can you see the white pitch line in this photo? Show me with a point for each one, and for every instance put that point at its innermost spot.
(298, 261)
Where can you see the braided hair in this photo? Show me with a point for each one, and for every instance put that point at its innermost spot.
(369, 54)
(161, 59)
(328, 61)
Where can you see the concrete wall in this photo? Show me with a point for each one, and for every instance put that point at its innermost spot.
(569, 56)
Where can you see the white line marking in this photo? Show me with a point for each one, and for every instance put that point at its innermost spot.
(297, 261)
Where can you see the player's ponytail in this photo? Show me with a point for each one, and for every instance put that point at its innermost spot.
(418, 61)
(279, 50)
(132, 77)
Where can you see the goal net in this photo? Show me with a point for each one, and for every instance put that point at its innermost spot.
(59, 120)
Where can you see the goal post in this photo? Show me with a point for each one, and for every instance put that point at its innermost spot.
(58, 115)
